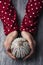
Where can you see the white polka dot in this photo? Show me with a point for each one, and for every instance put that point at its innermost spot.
(9, 4)
(30, 0)
(9, 14)
(28, 10)
(7, 8)
(11, 25)
(26, 28)
(34, 0)
(33, 13)
(31, 4)
(21, 26)
(35, 3)
(7, 18)
(32, 29)
(0, 1)
(4, 20)
(31, 8)
(12, 21)
(8, 30)
(30, 16)
(14, 18)
(29, 30)
(37, 11)
(39, 2)
(31, 25)
(14, 28)
(5, 12)
(10, 10)
(29, 21)
(25, 22)
(5, 3)
(3, 7)
(42, 1)
(40, 6)
(4, 17)
(23, 29)
(2, 11)
(8, 24)
(36, 7)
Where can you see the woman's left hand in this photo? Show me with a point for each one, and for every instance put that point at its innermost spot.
(7, 43)
(31, 41)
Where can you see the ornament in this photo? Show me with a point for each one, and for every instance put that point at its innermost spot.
(20, 48)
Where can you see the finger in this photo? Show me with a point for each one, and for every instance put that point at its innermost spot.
(13, 57)
(10, 54)
(28, 55)
(32, 42)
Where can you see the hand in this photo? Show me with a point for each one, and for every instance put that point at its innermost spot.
(31, 41)
(8, 42)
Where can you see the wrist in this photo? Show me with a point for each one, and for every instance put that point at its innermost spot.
(13, 34)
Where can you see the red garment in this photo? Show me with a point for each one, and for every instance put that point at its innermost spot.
(9, 17)
(30, 21)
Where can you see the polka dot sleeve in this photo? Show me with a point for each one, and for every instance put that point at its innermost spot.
(8, 16)
(30, 20)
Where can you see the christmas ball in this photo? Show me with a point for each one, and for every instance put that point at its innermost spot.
(20, 48)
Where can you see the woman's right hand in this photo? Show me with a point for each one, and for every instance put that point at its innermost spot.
(31, 41)
(10, 37)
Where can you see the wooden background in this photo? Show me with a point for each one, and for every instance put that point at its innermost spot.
(37, 59)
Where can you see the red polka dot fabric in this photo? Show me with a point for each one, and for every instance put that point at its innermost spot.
(30, 22)
(8, 16)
